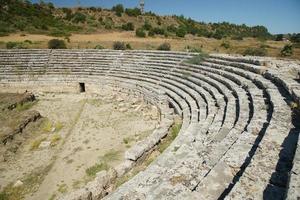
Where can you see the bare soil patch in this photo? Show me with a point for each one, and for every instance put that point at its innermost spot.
(78, 136)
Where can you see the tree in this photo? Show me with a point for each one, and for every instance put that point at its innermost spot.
(279, 37)
(119, 9)
(133, 12)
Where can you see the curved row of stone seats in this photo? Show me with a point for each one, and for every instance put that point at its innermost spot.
(282, 120)
(195, 159)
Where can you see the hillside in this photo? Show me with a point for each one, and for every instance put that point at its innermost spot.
(44, 18)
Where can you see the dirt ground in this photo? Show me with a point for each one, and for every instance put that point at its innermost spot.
(106, 39)
(79, 135)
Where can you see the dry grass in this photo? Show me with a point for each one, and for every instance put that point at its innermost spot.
(106, 39)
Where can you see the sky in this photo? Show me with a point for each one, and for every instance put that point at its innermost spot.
(279, 16)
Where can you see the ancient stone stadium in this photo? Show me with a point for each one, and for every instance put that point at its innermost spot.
(239, 123)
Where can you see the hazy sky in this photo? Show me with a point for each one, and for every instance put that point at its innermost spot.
(279, 16)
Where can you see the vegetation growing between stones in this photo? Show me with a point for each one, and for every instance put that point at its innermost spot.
(198, 59)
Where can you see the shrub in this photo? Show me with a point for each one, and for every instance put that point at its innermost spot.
(134, 12)
(16, 45)
(172, 29)
(119, 9)
(181, 32)
(218, 34)
(151, 33)
(225, 44)
(164, 47)
(99, 47)
(128, 46)
(119, 46)
(158, 31)
(279, 37)
(287, 50)
(147, 26)
(140, 32)
(255, 52)
(79, 17)
(56, 44)
(198, 59)
(193, 49)
(28, 41)
(128, 27)
(295, 38)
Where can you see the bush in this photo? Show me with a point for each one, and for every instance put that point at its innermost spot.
(172, 29)
(147, 26)
(140, 32)
(164, 47)
(287, 50)
(225, 44)
(119, 46)
(193, 49)
(128, 27)
(79, 17)
(279, 37)
(158, 31)
(151, 33)
(99, 47)
(16, 45)
(181, 32)
(56, 44)
(119, 9)
(255, 52)
(128, 46)
(133, 12)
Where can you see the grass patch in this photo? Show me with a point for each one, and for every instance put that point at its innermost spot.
(170, 137)
(46, 125)
(53, 196)
(36, 143)
(93, 170)
(62, 188)
(58, 126)
(31, 184)
(198, 59)
(76, 184)
(95, 102)
(112, 155)
(54, 139)
(24, 106)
